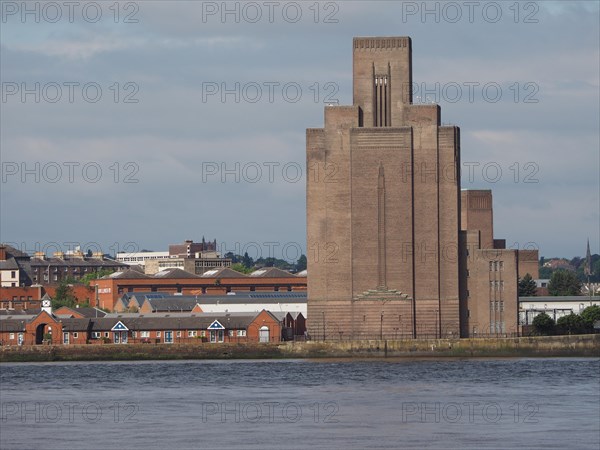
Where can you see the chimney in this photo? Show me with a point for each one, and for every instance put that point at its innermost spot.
(40, 255)
(59, 255)
(98, 255)
(2, 253)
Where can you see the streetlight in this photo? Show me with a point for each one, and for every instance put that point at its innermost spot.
(381, 328)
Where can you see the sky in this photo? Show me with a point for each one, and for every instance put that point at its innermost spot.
(133, 125)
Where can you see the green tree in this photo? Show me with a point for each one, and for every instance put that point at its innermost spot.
(64, 296)
(571, 324)
(527, 286)
(589, 315)
(94, 276)
(546, 273)
(234, 258)
(301, 263)
(543, 324)
(247, 261)
(564, 282)
(239, 267)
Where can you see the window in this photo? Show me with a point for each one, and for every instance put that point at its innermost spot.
(144, 334)
(75, 335)
(178, 334)
(193, 333)
(241, 333)
(95, 335)
(13, 274)
(491, 266)
(55, 277)
(230, 333)
(12, 335)
(501, 265)
(203, 333)
(158, 334)
(106, 334)
(134, 334)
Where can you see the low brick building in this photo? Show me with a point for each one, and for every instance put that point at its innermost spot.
(48, 328)
(214, 282)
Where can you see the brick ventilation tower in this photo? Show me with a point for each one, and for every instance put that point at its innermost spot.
(383, 202)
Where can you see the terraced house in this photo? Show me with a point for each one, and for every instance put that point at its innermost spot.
(70, 328)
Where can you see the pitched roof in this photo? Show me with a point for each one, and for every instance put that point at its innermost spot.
(139, 298)
(181, 322)
(224, 272)
(19, 312)
(128, 274)
(271, 272)
(84, 311)
(77, 262)
(76, 324)
(174, 273)
(9, 264)
(253, 297)
(176, 303)
(12, 252)
(13, 325)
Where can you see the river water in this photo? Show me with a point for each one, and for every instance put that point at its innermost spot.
(286, 404)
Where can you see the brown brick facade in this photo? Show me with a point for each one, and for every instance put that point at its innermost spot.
(383, 208)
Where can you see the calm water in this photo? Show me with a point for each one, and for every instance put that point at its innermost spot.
(500, 403)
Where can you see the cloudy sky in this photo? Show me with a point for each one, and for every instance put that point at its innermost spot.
(136, 126)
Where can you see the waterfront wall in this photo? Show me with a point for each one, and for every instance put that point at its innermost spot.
(547, 346)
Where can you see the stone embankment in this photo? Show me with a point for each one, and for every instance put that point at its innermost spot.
(552, 346)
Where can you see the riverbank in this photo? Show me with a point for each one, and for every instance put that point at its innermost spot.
(542, 346)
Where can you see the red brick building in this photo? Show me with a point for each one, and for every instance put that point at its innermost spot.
(214, 282)
(29, 297)
(45, 328)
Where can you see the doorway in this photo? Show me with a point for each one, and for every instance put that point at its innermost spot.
(263, 334)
